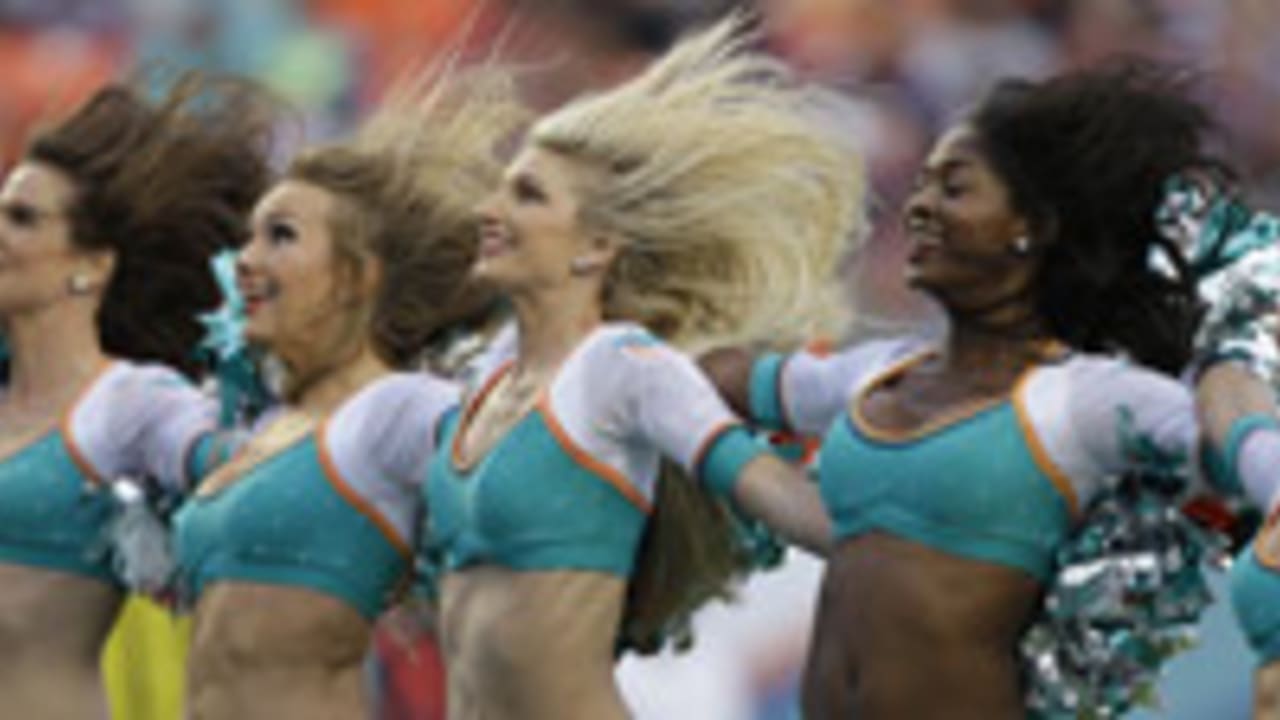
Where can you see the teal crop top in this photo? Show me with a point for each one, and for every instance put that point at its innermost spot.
(290, 520)
(53, 514)
(531, 504)
(1255, 593)
(571, 484)
(975, 488)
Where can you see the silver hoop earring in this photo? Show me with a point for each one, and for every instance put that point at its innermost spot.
(580, 265)
(79, 284)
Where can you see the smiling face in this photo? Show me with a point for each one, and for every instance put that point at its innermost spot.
(530, 228)
(38, 259)
(290, 274)
(962, 229)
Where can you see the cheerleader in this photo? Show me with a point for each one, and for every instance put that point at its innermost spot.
(576, 504)
(955, 472)
(1239, 375)
(107, 225)
(356, 262)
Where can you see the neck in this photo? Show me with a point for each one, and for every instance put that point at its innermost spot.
(52, 353)
(982, 347)
(551, 326)
(330, 389)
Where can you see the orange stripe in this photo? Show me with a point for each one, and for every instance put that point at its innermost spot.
(820, 347)
(1038, 452)
(705, 446)
(351, 496)
(1268, 554)
(68, 438)
(954, 417)
(455, 449)
(583, 458)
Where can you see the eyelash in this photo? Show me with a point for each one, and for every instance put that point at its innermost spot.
(280, 233)
(20, 216)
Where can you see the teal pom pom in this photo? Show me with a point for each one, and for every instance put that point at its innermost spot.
(241, 387)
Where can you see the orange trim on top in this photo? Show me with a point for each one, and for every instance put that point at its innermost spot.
(469, 411)
(1039, 453)
(64, 427)
(349, 494)
(953, 417)
(820, 347)
(709, 441)
(1268, 555)
(583, 458)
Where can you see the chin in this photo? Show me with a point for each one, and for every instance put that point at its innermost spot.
(255, 334)
(499, 272)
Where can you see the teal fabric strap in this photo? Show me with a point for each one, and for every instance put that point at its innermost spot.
(1223, 464)
(721, 466)
(765, 391)
(205, 455)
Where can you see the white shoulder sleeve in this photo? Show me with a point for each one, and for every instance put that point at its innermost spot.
(142, 420)
(387, 431)
(1094, 416)
(380, 442)
(813, 390)
(662, 398)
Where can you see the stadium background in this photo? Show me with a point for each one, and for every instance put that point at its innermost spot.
(911, 64)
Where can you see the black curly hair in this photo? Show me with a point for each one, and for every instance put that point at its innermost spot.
(1086, 156)
(165, 185)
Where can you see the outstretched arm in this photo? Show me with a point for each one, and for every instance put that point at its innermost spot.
(782, 497)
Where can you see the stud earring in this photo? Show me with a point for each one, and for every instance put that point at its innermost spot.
(79, 284)
(1022, 245)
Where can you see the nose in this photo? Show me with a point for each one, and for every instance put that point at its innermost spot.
(921, 205)
(248, 260)
(487, 210)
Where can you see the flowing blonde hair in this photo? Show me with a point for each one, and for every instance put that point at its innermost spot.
(407, 185)
(734, 204)
(733, 200)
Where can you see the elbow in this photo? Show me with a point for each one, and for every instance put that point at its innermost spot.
(729, 370)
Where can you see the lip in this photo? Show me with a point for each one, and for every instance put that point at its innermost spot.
(494, 241)
(254, 298)
(922, 245)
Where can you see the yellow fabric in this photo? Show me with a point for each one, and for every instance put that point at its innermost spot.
(144, 662)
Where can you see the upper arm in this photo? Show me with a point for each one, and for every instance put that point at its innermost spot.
(665, 400)
(1089, 418)
(160, 417)
(394, 426)
(805, 391)
(1132, 419)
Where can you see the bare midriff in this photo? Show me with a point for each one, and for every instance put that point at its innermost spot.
(1266, 694)
(531, 645)
(906, 631)
(52, 628)
(269, 652)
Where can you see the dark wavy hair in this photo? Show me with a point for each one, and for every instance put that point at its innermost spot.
(165, 185)
(1085, 156)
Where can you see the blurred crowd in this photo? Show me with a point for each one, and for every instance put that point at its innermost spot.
(910, 64)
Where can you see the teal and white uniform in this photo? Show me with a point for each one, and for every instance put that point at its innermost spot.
(132, 420)
(571, 485)
(1000, 481)
(334, 512)
(1255, 591)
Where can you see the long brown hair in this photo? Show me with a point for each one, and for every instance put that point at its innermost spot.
(406, 187)
(165, 185)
